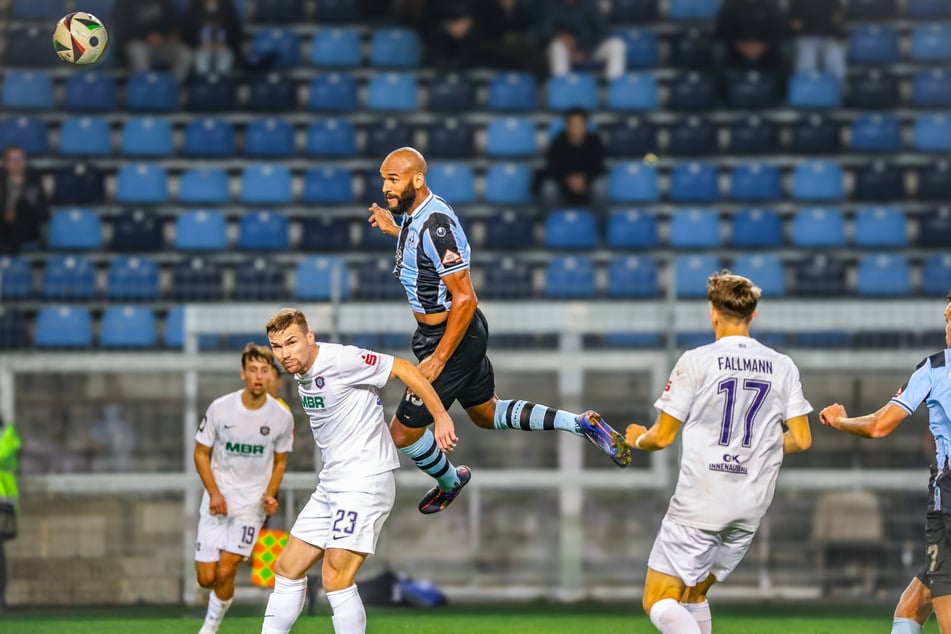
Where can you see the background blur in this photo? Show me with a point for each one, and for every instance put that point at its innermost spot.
(217, 166)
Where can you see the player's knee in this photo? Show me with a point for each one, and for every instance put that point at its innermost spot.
(225, 573)
(206, 578)
(404, 436)
(334, 579)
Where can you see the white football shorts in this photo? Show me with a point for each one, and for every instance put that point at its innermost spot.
(351, 519)
(692, 554)
(231, 533)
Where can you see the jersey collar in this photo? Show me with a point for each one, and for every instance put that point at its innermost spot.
(421, 207)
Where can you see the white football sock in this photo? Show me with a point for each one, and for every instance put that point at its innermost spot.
(670, 617)
(349, 615)
(284, 605)
(905, 626)
(214, 614)
(701, 614)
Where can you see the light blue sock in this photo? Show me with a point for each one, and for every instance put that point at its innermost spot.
(528, 416)
(431, 460)
(905, 626)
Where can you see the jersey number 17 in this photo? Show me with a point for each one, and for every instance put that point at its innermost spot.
(728, 387)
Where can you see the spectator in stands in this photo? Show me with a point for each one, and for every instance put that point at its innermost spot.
(753, 33)
(509, 37)
(574, 166)
(213, 30)
(114, 439)
(818, 27)
(577, 33)
(25, 204)
(452, 36)
(148, 32)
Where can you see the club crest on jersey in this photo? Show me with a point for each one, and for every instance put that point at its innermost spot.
(451, 257)
(319, 382)
(440, 231)
(265, 430)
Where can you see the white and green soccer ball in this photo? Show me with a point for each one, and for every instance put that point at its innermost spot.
(80, 38)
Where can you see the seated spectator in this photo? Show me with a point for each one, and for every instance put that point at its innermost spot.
(753, 32)
(508, 37)
(453, 39)
(213, 30)
(818, 27)
(577, 33)
(148, 33)
(574, 170)
(25, 205)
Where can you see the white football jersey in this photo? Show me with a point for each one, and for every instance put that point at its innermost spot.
(733, 397)
(340, 394)
(243, 443)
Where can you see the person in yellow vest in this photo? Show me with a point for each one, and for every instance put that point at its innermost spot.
(9, 496)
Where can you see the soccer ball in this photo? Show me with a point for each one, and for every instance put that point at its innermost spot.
(80, 38)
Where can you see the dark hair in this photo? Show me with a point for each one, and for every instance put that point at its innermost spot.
(254, 352)
(576, 112)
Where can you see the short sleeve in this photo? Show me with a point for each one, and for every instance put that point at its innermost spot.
(445, 243)
(285, 442)
(916, 388)
(364, 367)
(680, 390)
(208, 428)
(796, 403)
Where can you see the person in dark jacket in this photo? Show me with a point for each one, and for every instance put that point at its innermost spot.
(577, 33)
(452, 36)
(147, 32)
(25, 204)
(213, 30)
(820, 35)
(753, 32)
(509, 38)
(574, 166)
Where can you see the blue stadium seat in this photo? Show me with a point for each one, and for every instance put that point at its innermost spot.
(317, 277)
(128, 327)
(174, 332)
(694, 229)
(372, 188)
(337, 10)
(512, 91)
(765, 270)
(632, 277)
(396, 47)
(932, 132)
(873, 89)
(753, 89)
(269, 137)
(569, 277)
(930, 88)
(281, 46)
(756, 181)
(137, 230)
(208, 137)
(324, 234)
(29, 133)
(28, 46)
(704, 10)
(692, 48)
(273, 92)
(880, 227)
(336, 92)
(68, 277)
(694, 135)
(756, 228)
(279, 11)
(146, 136)
(574, 90)
(931, 43)
(934, 228)
(151, 92)
(818, 227)
(27, 90)
(878, 181)
(631, 137)
(510, 137)
(820, 275)
(90, 91)
(691, 273)
(145, 183)
(16, 278)
(880, 10)
(266, 183)
(218, 93)
(454, 182)
(133, 278)
(264, 231)
(754, 135)
(936, 275)
(694, 90)
(331, 137)
(814, 90)
(259, 279)
(85, 136)
(386, 135)
(451, 92)
(633, 92)
(571, 229)
(103, 8)
(934, 181)
(818, 180)
(508, 184)
(329, 185)
(13, 330)
(873, 44)
(641, 47)
(337, 47)
(633, 182)
(197, 279)
(625, 11)
(204, 186)
(372, 239)
(876, 133)
(927, 9)
(79, 184)
(510, 230)
(694, 181)
(38, 9)
(508, 278)
(883, 275)
(450, 138)
(392, 92)
(78, 229)
(815, 134)
(631, 229)
(63, 327)
(375, 280)
(200, 230)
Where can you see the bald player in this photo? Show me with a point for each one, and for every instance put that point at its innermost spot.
(432, 263)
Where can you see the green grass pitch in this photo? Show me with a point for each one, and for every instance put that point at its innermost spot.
(506, 619)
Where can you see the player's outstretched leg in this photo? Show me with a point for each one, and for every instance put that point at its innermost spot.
(420, 445)
(437, 498)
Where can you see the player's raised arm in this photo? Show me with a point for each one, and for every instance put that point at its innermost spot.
(798, 436)
(464, 303)
(875, 425)
(202, 457)
(409, 374)
(660, 435)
